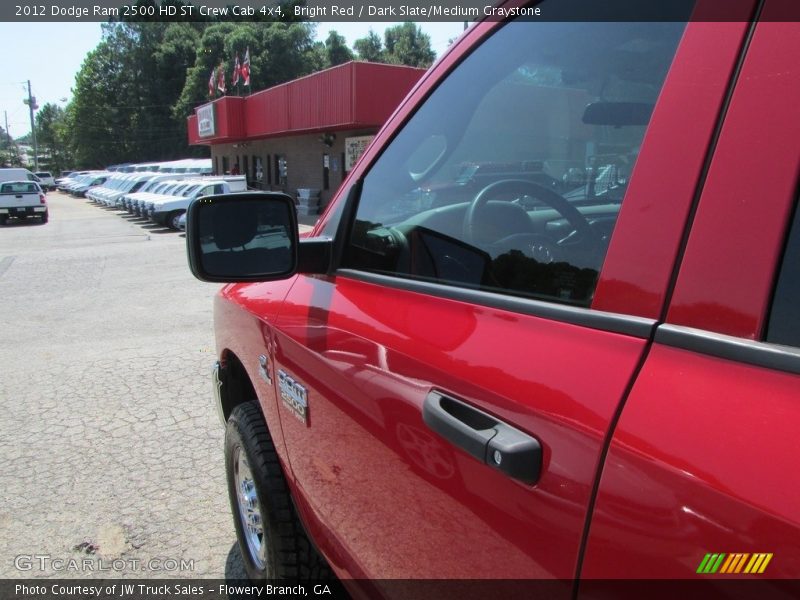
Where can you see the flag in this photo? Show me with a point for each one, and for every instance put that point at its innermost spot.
(221, 78)
(245, 68)
(211, 82)
(237, 70)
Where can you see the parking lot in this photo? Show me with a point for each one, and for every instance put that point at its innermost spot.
(110, 449)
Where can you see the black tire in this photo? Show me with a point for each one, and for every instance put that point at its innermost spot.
(287, 552)
(45, 218)
(3, 220)
(172, 219)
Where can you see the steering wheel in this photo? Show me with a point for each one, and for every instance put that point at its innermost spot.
(480, 206)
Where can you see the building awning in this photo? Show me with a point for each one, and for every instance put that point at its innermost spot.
(355, 95)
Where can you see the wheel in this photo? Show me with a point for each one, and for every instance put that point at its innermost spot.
(173, 218)
(45, 218)
(3, 220)
(271, 537)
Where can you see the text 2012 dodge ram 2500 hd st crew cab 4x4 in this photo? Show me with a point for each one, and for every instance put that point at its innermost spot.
(22, 199)
(590, 379)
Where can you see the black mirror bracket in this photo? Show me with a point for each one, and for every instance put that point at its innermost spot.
(314, 255)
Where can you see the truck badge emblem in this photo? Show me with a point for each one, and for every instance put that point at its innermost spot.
(263, 368)
(293, 396)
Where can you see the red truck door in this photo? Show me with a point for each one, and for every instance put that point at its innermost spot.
(701, 478)
(448, 390)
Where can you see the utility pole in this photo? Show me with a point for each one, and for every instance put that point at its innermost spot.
(8, 139)
(31, 102)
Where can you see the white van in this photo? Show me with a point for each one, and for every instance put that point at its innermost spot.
(14, 174)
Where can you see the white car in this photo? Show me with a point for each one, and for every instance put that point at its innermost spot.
(169, 210)
(144, 180)
(46, 180)
(171, 187)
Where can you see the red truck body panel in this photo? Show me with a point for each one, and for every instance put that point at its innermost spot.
(698, 465)
(653, 454)
(369, 365)
(662, 190)
(725, 281)
(699, 460)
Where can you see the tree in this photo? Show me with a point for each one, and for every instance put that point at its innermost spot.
(406, 44)
(98, 129)
(125, 91)
(279, 52)
(9, 152)
(370, 48)
(336, 49)
(52, 136)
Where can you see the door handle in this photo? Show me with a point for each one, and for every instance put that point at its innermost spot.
(485, 437)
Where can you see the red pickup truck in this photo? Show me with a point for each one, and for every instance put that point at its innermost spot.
(592, 378)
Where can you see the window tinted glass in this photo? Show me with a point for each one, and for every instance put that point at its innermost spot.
(510, 177)
(784, 321)
(19, 188)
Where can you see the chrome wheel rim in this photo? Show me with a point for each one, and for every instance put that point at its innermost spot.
(174, 221)
(249, 510)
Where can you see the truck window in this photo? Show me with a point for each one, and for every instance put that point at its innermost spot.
(784, 320)
(509, 178)
(19, 188)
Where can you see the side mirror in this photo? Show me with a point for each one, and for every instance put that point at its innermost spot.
(243, 237)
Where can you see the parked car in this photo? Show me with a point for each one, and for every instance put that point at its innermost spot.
(71, 177)
(152, 187)
(517, 385)
(167, 211)
(22, 199)
(74, 180)
(98, 193)
(17, 174)
(79, 188)
(168, 190)
(46, 180)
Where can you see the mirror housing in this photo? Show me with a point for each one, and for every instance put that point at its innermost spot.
(242, 237)
(250, 237)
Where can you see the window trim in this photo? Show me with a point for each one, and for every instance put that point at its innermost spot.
(741, 350)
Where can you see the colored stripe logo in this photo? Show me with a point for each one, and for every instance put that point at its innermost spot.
(736, 562)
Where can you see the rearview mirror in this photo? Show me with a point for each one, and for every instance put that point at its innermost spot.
(242, 237)
(618, 114)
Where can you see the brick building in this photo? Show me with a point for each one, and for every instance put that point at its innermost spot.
(304, 134)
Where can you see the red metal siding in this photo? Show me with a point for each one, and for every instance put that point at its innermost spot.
(379, 89)
(321, 100)
(356, 94)
(229, 115)
(267, 112)
(191, 128)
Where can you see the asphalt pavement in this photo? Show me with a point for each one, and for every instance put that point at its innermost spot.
(111, 461)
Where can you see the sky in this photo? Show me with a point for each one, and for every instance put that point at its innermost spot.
(50, 54)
